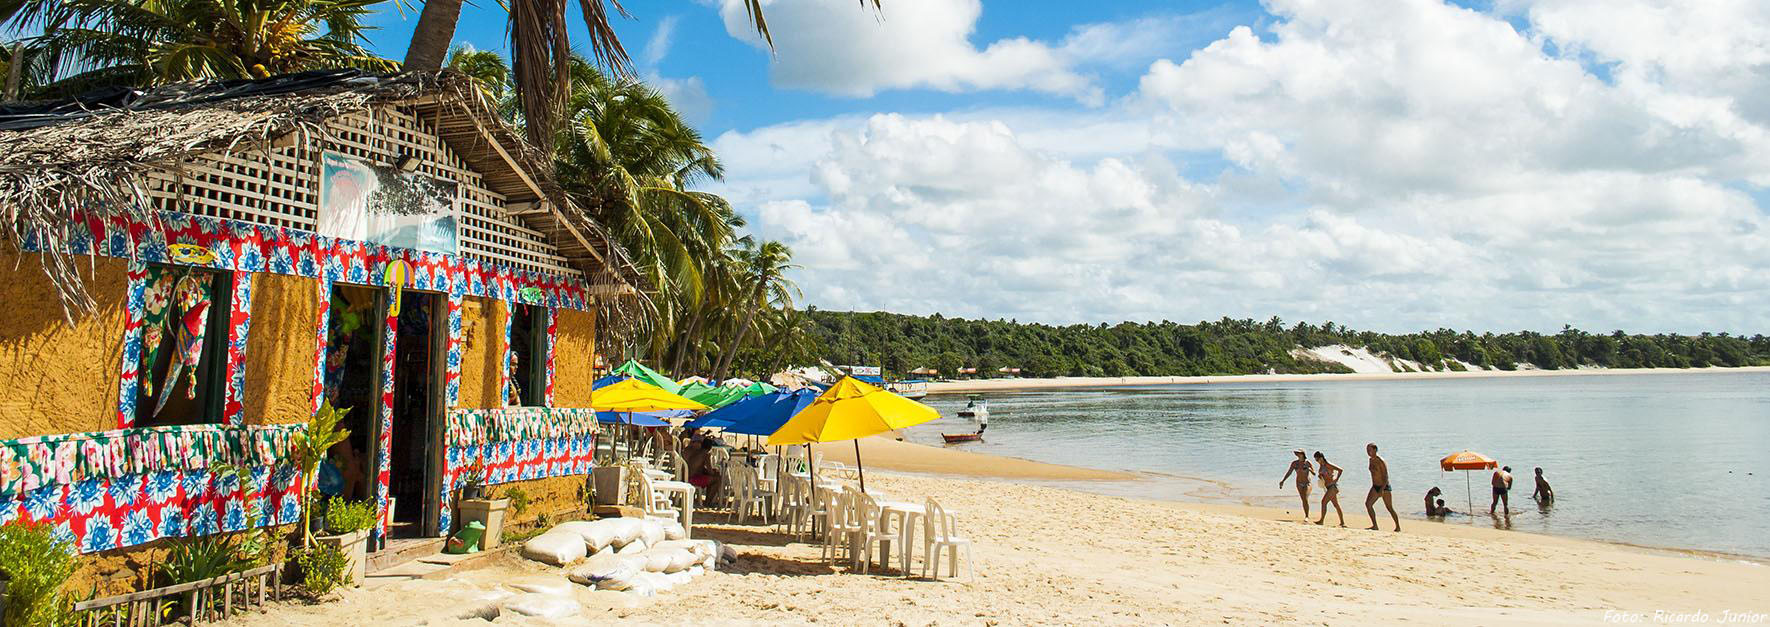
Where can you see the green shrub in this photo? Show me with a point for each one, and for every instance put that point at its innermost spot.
(519, 500)
(323, 569)
(35, 565)
(201, 558)
(347, 516)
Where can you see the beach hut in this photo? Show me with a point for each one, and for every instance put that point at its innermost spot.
(189, 271)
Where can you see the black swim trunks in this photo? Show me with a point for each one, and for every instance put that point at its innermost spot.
(1499, 491)
(1381, 488)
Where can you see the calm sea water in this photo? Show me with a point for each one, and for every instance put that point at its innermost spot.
(1679, 460)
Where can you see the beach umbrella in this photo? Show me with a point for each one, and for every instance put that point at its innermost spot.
(637, 419)
(634, 369)
(632, 395)
(851, 410)
(1467, 461)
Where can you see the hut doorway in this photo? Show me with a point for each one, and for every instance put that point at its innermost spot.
(415, 454)
(352, 369)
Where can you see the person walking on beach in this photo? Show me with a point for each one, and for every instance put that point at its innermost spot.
(1380, 489)
(1502, 485)
(1301, 467)
(1330, 487)
(1543, 493)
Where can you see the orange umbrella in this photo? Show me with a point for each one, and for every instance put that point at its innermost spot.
(1466, 461)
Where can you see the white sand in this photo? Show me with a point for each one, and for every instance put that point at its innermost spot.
(1053, 556)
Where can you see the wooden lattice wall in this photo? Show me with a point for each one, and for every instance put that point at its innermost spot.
(279, 185)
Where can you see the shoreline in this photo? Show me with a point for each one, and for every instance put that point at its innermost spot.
(923, 460)
(1009, 385)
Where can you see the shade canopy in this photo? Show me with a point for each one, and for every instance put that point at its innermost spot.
(641, 419)
(636, 370)
(758, 415)
(850, 410)
(634, 395)
(1467, 460)
(694, 389)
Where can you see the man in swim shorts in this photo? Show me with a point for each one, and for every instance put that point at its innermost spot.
(1380, 489)
(1502, 486)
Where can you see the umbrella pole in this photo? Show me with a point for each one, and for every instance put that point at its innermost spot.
(1469, 491)
(858, 467)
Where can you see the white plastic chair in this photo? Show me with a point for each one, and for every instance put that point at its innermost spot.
(863, 533)
(840, 519)
(938, 532)
(750, 497)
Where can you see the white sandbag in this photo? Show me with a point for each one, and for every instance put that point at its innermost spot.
(602, 533)
(699, 547)
(551, 586)
(652, 531)
(632, 548)
(680, 560)
(673, 530)
(607, 550)
(556, 548)
(626, 530)
(656, 581)
(658, 561)
(543, 605)
(679, 577)
(695, 571)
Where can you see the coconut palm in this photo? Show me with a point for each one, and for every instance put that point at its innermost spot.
(765, 285)
(149, 42)
(542, 51)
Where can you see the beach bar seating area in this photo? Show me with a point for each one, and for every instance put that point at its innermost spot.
(197, 270)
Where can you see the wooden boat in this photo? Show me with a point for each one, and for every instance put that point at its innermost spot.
(975, 407)
(961, 437)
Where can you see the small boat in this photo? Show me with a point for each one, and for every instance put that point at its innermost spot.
(909, 388)
(961, 437)
(976, 408)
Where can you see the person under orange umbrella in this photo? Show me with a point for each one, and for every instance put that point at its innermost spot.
(1467, 461)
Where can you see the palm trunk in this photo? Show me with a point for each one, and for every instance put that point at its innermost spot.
(431, 39)
(731, 351)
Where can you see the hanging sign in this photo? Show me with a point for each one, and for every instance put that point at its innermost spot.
(396, 279)
(531, 295)
(190, 253)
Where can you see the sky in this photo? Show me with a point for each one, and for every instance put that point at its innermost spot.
(1391, 165)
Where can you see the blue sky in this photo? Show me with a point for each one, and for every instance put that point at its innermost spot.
(1387, 164)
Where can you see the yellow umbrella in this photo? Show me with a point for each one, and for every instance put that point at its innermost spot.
(633, 395)
(851, 410)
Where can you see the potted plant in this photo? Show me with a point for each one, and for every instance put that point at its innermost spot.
(347, 528)
(490, 513)
(473, 481)
(310, 451)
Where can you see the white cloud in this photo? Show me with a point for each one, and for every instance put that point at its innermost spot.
(658, 46)
(1394, 164)
(837, 47)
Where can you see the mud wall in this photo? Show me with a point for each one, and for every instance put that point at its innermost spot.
(482, 352)
(557, 499)
(59, 378)
(574, 356)
(280, 349)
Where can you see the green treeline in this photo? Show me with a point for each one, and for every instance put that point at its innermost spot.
(901, 343)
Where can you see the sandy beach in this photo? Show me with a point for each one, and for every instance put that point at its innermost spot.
(1004, 385)
(1056, 556)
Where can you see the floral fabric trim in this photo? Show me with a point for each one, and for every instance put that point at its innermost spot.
(468, 427)
(384, 449)
(516, 460)
(248, 247)
(135, 305)
(239, 321)
(505, 378)
(552, 337)
(28, 464)
(103, 513)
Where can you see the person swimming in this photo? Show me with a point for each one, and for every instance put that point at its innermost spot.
(1543, 492)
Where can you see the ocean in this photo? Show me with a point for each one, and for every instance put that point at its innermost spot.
(1665, 460)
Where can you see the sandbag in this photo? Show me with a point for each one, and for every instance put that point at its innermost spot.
(556, 548)
(695, 571)
(632, 548)
(601, 534)
(681, 560)
(673, 530)
(543, 605)
(699, 547)
(553, 587)
(656, 581)
(625, 529)
(652, 532)
(658, 561)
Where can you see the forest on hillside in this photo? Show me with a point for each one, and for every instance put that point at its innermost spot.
(901, 343)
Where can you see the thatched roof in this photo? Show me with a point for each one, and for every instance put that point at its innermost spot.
(94, 153)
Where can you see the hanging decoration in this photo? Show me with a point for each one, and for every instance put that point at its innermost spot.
(30, 463)
(395, 278)
(190, 254)
(467, 427)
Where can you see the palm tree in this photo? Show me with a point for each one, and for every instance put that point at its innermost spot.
(765, 284)
(542, 51)
(487, 68)
(149, 42)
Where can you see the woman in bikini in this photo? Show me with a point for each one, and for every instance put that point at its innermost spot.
(1300, 467)
(1330, 486)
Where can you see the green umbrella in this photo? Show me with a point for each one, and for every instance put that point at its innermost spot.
(638, 371)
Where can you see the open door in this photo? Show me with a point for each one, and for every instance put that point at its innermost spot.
(415, 454)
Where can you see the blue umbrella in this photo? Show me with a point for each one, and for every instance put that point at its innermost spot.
(733, 413)
(769, 418)
(640, 419)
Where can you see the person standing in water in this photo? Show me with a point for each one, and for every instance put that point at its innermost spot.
(1543, 493)
(1303, 470)
(1431, 509)
(1380, 489)
(1502, 486)
(1330, 487)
